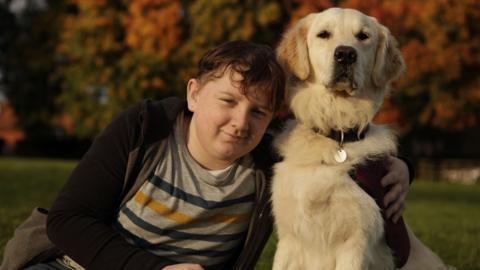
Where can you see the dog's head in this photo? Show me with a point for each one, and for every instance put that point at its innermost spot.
(344, 52)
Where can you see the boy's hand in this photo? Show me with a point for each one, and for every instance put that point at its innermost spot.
(183, 266)
(398, 180)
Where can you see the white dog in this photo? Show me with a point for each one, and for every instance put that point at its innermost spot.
(340, 63)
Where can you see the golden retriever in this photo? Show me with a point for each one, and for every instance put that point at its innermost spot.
(339, 63)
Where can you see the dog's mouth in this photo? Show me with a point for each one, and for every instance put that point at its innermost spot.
(343, 81)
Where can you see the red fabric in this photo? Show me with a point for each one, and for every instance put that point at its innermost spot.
(368, 176)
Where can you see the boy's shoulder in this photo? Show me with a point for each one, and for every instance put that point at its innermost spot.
(167, 108)
(159, 116)
(152, 120)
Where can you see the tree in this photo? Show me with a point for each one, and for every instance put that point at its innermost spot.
(28, 40)
(441, 46)
(90, 59)
(114, 54)
(7, 31)
(210, 23)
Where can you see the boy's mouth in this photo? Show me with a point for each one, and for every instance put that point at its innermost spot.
(235, 138)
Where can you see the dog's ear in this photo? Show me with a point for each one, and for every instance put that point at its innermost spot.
(389, 63)
(292, 52)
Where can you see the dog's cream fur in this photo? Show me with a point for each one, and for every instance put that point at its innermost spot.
(324, 220)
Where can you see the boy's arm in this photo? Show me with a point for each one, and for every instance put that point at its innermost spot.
(80, 219)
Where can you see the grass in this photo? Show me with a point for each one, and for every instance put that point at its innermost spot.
(447, 218)
(25, 184)
(444, 216)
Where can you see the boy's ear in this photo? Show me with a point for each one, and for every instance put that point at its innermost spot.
(193, 87)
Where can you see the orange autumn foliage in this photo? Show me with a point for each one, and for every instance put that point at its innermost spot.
(117, 53)
(10, 133)
(152, 26)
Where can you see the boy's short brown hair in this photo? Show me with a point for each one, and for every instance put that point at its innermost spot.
(256, 64)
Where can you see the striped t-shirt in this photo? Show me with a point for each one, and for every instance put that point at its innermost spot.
(186, 214)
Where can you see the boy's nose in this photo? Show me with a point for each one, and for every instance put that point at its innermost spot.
(241, 122)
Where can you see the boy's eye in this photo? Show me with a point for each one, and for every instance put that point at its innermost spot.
(227, 100)
(259, 113)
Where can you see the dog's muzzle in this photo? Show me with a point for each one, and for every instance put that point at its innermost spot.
(343, 79)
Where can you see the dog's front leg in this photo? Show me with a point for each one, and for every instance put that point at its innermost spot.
(350, 255)
(286, 257)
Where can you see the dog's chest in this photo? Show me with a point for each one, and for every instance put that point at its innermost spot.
(320, 197)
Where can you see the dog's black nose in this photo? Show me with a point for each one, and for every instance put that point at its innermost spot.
(345, 55)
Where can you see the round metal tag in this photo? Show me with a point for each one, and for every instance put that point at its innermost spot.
(340, 156)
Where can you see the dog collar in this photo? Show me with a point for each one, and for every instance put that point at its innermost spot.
(350, 135)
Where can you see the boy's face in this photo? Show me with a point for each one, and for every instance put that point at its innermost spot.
(225, 124)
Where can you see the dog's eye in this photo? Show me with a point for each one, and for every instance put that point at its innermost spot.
(362, 36)
(324, 34)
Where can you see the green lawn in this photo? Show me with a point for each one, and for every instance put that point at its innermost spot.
(24, 184)
(445, 216)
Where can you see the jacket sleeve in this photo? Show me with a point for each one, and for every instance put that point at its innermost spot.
(80, 219)
(411, 170)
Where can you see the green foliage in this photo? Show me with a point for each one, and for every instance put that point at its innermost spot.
(92, 69)
(213, 22)
(114, 56)
(210, 23)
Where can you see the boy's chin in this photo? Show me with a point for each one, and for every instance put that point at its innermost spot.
(231, 155)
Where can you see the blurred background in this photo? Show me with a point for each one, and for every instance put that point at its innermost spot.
(68, 67)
